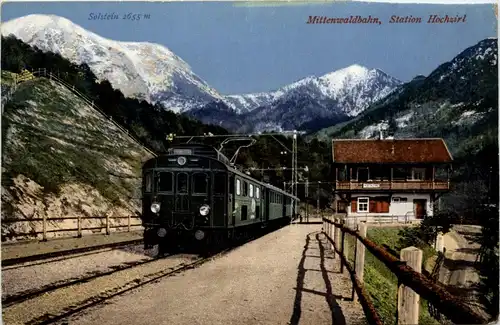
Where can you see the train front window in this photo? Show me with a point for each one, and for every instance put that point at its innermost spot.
(165, 182)
(200, 183)
(182, 183)
(148, 182)
(219, 183)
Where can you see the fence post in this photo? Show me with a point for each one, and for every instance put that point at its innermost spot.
(44, 226)
(107, 224)
(332, 232)
(342, 248)
(129, 217)
(359, 266)
(79, 234)
(337, 234)
(408, 300)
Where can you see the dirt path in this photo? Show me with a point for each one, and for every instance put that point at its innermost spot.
(459, 269)
(286, 277)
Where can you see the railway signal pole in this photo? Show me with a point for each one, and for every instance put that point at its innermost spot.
(294, 171)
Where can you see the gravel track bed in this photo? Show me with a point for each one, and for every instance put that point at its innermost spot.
(286, 277)
(56, 302)
(37, 275)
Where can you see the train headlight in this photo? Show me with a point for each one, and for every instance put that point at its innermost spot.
(204, 210)
(181, 160)
(155, 207)
(199, 234)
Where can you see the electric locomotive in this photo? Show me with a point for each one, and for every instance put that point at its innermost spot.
(193, 194)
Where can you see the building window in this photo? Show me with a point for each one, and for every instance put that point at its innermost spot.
(400, 173)
(363, 203)
(251, 190)
(399, 199)
(363, 174)
(417, 174)
(395, 199)
(238, 187)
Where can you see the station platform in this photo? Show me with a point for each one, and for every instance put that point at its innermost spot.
(285, 277)
(17, 252)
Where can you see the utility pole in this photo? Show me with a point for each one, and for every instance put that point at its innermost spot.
(294, 170)
(307, 195)
(317, 201)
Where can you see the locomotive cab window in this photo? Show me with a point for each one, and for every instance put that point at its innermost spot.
(148, 182)
(182, 183)
(165, 182)
(238, 187)
(219, 183)
(257, 192)
(245, 188)
(200, 183)
(251, 190)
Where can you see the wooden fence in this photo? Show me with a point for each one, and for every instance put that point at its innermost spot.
(107, 225)
(412, 283)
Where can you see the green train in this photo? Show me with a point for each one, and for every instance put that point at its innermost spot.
(193, 194)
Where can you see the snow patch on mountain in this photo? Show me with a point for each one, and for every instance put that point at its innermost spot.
(139, 69)
(353, 88)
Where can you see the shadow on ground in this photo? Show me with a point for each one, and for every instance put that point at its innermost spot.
(313, 239)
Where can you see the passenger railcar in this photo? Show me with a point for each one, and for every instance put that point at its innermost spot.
(193, 193)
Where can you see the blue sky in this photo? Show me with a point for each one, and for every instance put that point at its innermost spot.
(241, 49)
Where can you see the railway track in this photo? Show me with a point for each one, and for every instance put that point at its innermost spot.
(134, 284)
(15, 303)
(66, 254)
(30, 294)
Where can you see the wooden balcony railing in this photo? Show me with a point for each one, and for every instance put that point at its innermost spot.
(391, 185)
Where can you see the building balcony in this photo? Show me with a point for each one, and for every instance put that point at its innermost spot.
(374, 186)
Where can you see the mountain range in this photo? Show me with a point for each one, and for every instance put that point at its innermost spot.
(458, 101)
(154, 73)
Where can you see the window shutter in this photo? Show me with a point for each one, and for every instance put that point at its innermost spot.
(354, 205)
(373, 205)
(385, 205)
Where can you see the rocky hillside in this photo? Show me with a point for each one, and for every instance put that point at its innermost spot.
(61, 158)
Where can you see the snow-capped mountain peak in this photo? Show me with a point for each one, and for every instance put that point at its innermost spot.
(154, 73)
(139, 69)
(353, 87)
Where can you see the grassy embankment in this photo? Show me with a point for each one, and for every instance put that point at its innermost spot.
(381, 283)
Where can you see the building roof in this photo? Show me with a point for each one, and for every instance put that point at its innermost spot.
(390, 151)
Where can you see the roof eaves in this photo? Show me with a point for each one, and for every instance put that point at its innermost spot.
(447, 150)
